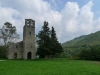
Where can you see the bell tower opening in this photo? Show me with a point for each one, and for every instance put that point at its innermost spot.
(29, 22)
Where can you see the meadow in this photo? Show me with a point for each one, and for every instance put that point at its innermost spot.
(49, 67)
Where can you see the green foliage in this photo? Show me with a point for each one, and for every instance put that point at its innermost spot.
(85, 44)
(85, 54)
(2, 52)
(65, 55)
(44, 40)
(86, 40)
(73, 42)
(49, 67)
(92, 53)
(47, 42)
(8, 33)
(55, 45)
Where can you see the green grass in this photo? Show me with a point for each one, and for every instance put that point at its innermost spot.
(49, 67)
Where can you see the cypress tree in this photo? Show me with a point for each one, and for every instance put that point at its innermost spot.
(56, 46)
(44, 41)
(47, 42)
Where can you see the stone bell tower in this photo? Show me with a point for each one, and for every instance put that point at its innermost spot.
(29, 39)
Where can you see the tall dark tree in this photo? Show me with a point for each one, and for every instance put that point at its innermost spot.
(56, 46)
(44, 41)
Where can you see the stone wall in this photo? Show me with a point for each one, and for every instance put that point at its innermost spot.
(15, 48)
(26, 48)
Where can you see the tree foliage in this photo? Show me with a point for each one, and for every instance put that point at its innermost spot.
(92, 53)
(56, 46)
(8, 33)
(47, 42)
(44, 40)
(2, 52)
(84, 47)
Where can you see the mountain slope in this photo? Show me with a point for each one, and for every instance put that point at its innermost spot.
(74, 41)
(88, 40)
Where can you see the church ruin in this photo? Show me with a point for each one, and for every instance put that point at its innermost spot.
(24, 49)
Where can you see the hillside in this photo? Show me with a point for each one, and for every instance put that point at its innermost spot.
(74, 48)
(87, 40)
(73, 42)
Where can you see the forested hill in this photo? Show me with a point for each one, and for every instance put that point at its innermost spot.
(85, 40)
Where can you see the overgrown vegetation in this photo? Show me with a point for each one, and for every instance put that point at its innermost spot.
(84, 47)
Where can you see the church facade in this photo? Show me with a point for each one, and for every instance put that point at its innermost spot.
(24, 49)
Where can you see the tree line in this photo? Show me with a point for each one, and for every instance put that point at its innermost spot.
(83, 52)
(91, 53)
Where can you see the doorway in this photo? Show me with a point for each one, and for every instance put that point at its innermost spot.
(15, 55)
(29, 54)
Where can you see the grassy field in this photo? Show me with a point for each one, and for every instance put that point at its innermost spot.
(49, 67)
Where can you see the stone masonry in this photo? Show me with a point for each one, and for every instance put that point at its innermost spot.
(26, 48)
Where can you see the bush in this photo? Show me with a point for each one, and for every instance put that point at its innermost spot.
(2, 52)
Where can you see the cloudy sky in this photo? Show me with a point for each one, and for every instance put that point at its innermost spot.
(70, 18)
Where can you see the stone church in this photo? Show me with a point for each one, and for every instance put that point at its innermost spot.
(24, 49)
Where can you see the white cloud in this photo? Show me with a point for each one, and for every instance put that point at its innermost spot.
(8, 14)
(77, 21)
(71, 22)
(86, 17)
(96, 24)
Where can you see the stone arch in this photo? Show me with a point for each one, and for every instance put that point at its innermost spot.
(15, 55)
(29, 55)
